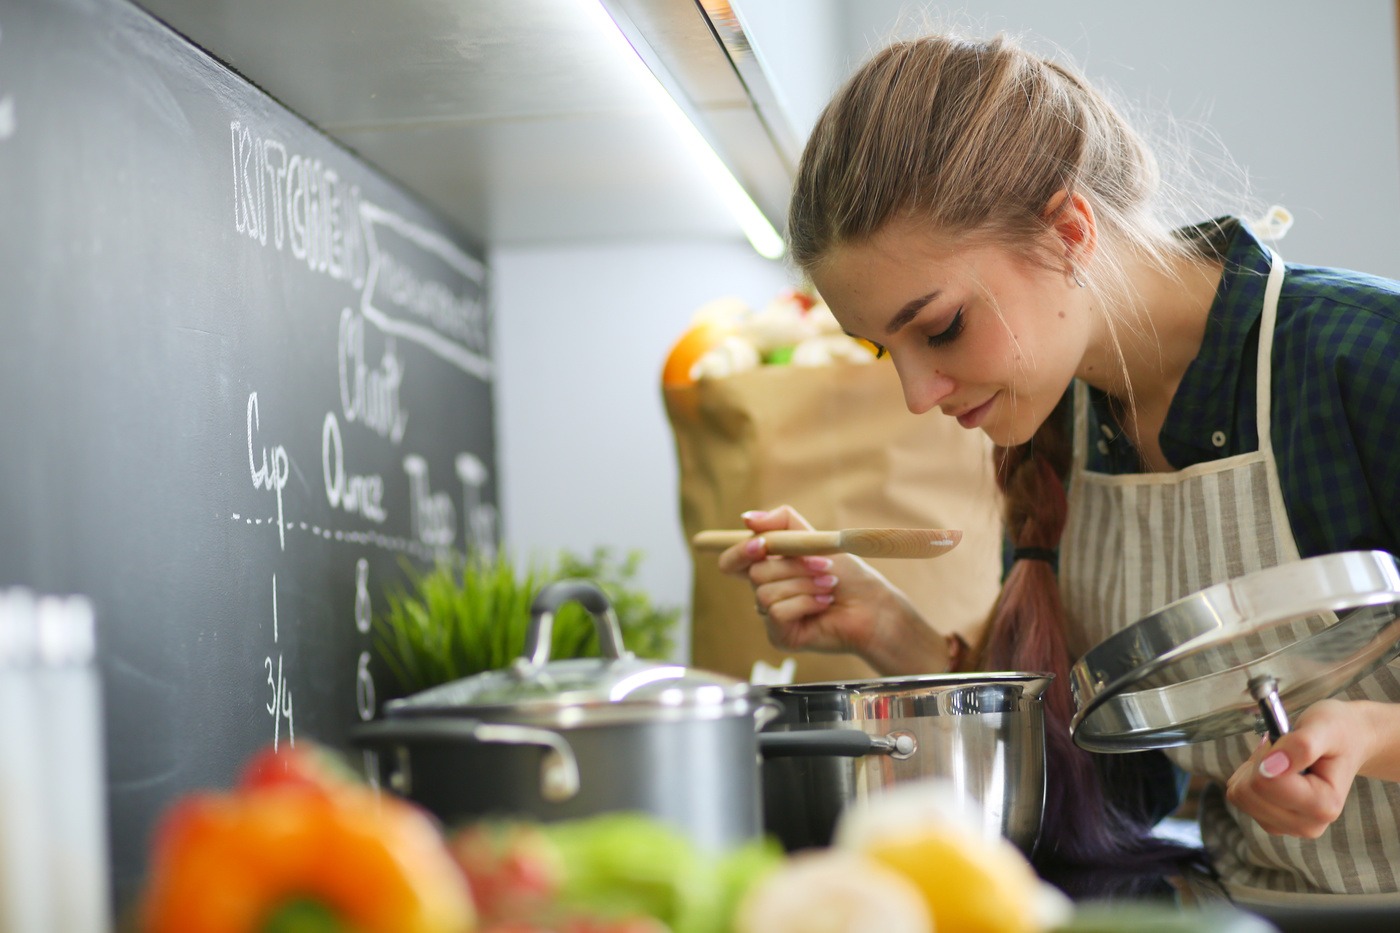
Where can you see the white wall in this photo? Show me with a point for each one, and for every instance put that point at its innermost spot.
(586, 455)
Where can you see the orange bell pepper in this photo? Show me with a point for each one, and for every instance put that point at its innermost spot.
(293, 833)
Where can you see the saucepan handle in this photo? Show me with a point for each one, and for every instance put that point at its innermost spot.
(559, 777)
(1264, 689)
(844, 743)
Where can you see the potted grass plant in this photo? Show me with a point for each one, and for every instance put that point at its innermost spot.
(460, 619)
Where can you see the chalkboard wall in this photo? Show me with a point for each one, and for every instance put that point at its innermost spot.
(243, 379)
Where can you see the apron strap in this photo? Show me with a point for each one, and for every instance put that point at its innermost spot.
(1264, 377)
(1081, 424)
(1264, 389)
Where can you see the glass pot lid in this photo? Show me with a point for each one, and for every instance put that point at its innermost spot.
(1239, 656)
(616, 687)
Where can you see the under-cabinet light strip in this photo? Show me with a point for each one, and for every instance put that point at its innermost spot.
(755, 226)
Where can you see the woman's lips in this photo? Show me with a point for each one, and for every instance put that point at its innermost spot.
(974, 417)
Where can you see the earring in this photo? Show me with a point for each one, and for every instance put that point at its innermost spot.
(1077, 280)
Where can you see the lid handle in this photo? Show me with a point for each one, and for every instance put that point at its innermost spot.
(549, 600)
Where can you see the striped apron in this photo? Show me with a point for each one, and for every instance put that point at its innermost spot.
(1134, 543)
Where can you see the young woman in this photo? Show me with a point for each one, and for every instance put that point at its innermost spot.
(1172, 409)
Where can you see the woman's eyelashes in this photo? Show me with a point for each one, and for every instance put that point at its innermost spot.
(942, 338)
(949, 333)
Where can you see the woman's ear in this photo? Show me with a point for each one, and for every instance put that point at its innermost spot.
(1071, 220)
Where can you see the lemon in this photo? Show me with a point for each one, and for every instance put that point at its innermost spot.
(973, 879)
(971, 884)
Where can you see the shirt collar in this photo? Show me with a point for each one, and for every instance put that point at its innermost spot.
(1202, 422)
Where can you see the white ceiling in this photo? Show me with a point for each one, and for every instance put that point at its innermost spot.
(508, 117)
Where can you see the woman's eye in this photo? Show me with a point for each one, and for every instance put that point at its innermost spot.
(949, 333)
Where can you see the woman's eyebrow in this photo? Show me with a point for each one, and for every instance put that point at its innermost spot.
(910, 311)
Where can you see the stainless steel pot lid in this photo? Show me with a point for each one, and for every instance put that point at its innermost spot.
(1200, 668)
(615, 688)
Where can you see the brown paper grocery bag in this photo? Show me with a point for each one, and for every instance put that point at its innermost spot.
(837, 444)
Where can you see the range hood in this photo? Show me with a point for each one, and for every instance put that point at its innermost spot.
(509, 117)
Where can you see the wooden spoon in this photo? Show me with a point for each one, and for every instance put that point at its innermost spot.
(862, 542)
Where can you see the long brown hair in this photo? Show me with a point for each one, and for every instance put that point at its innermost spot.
(975, 139)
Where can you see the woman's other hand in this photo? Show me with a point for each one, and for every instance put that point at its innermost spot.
(1333, 742)
(835, 604)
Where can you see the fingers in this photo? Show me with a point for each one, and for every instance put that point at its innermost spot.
(783, 518)
(741, 556)
(783, 568)
(1271, 788)
(738, 559)
(772, 595)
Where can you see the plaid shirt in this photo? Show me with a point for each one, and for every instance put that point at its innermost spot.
(1336, 396)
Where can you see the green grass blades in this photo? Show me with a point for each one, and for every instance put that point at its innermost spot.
(470, 616)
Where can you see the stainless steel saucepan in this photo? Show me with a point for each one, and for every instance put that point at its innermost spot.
(984, 733)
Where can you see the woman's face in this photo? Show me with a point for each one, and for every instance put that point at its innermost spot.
(976, 331)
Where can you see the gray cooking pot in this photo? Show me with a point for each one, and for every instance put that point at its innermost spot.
(572, 738)
(982, 732)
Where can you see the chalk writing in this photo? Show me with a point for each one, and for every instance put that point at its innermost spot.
(7, 110)
(280, 707)
(478, 518)
(370, 396)
(362, 494)
(454, 315)
(272, 476)
(296, 201)
(434, 518)
(364, 688)
(385, 542)
(364, 680)
(448, 320)
(362, 607)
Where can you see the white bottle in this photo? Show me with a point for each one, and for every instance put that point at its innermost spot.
(25, 898)
(70, 704)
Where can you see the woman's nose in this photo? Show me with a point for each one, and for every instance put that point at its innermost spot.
(924, 390)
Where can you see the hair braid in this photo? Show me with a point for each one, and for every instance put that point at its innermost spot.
(1027, 633)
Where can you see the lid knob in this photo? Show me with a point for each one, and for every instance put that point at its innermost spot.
(541, 631)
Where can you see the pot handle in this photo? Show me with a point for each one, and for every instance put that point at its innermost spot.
(559, 778)
(541, 631)
(846, 743)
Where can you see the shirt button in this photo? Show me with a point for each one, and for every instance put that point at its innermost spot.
(1107, 431)
(1218, 438)
(1103, 447)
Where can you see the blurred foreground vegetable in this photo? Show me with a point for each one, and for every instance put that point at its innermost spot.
(615, 873)
(296, 847)
(928, 832)
(458, 621)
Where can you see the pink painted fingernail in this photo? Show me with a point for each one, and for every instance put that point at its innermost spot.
(817, 563)
(826, 581)
(826, 599)
(754, 547)
(1274, 765)
(754, 516)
